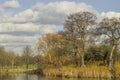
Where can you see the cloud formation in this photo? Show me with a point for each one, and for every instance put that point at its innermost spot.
(111, 14)
(27, 27)
(11, 4)
(51, 13)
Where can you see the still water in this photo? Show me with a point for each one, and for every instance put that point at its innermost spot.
(37, 77)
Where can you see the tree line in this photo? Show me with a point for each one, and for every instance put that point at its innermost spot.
(12, 60)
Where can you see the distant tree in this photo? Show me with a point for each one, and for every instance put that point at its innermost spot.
(19, 60)
(77, 25)
(38, 60)
(1, 55)
(27, 51)
(4, 58)
(12, 58)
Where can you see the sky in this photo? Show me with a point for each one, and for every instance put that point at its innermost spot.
(22, 22)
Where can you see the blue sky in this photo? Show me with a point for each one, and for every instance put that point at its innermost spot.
(22, 22)
(99, 5)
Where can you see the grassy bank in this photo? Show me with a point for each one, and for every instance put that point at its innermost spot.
(15, 70)
(7, 71)
(80, 72)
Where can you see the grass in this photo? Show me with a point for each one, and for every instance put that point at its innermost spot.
(7, 71)
(92, 71)
(89, 71)
(117, 67)
(14, 70)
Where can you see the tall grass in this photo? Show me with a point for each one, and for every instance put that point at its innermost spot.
(79, 72)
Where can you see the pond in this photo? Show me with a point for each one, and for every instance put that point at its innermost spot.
(38, 77)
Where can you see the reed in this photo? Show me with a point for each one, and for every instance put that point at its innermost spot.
(78, 72)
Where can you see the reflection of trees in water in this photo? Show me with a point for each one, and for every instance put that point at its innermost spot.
(8, 77)
(38, 77)
(26, 76)
(50, 78)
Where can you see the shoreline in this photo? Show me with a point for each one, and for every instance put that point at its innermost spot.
(77, 72)
(90, 71)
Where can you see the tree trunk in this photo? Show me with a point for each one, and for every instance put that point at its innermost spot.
(82, 60)
(83, 52)
(50, 58)
(27, 63)
(27, 66)
(112, 63)
(12, 65)
(78, 56)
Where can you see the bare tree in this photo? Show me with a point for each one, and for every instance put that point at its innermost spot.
(111, 28)
(27, 54)
(12, 57)
(77, 25)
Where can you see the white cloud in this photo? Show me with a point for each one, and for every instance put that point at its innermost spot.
(111, 14)
(17, 43)
(1, 9)
(51, 13)
(6, 38)
(11, 41)
(56, 12)
(11, 4)
(27, 27)
(64, 7)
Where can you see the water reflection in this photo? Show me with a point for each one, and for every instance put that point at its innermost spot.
(38, 77)
(75, 79)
